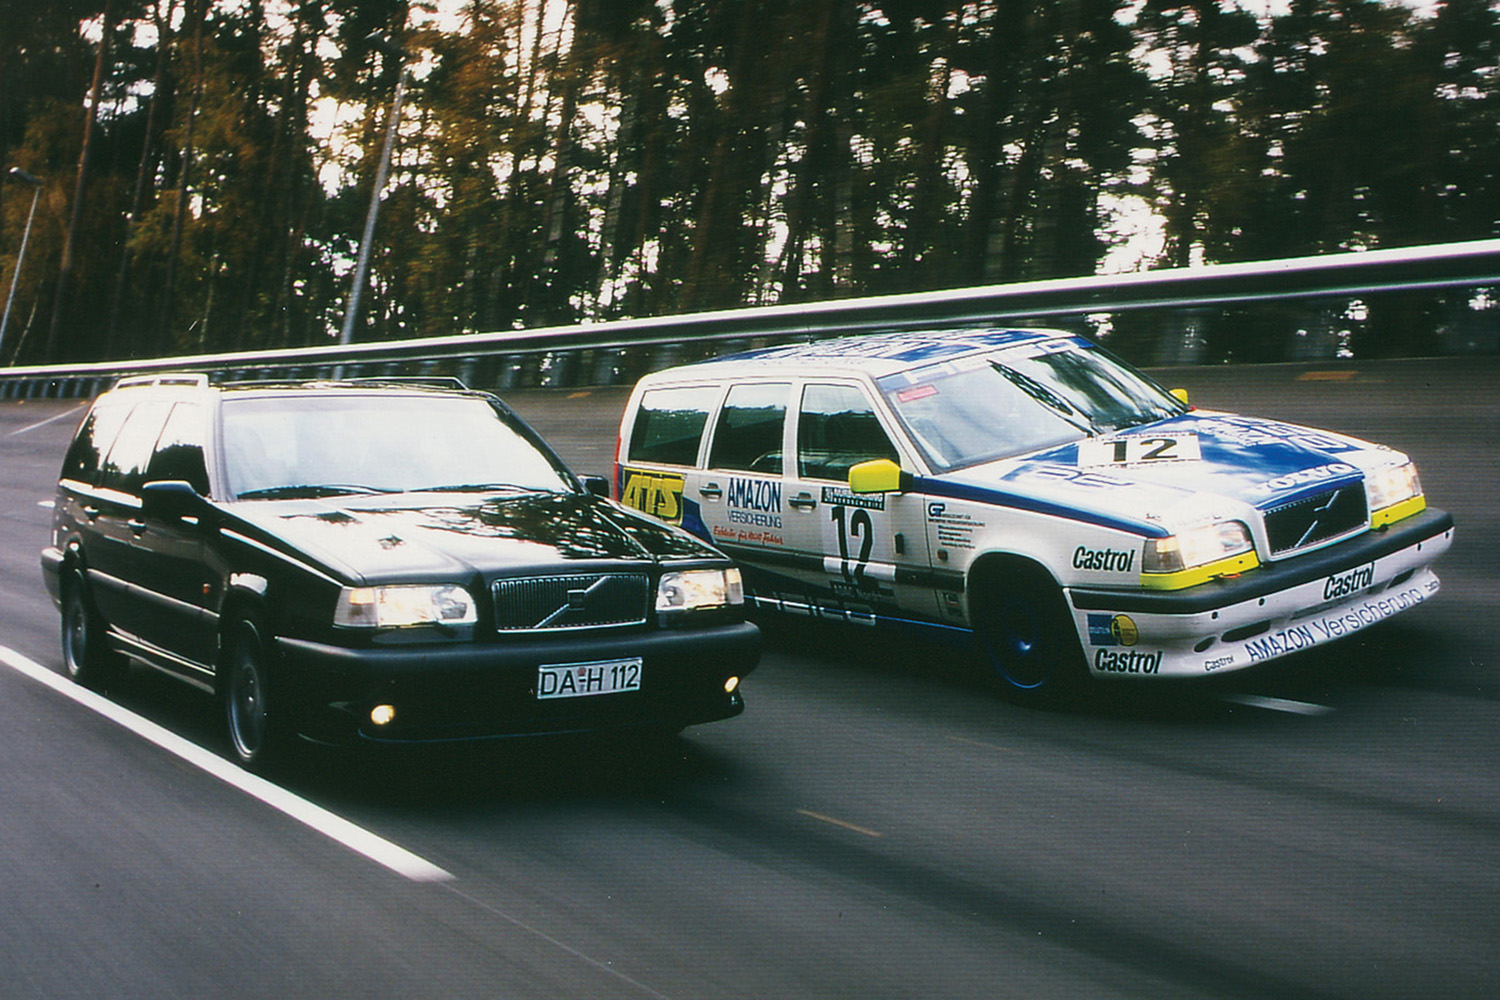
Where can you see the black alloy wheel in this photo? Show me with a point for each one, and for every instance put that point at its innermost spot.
(1024, 632)
(248, 709)
(85, 656)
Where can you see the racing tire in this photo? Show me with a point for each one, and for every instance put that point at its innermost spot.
(255, 732)
(85, 656)
(1024, 633)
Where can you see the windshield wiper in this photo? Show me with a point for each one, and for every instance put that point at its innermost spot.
(308, 490)
(1046, 397)
(478, 488)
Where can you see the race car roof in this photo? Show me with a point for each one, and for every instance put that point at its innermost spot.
(876, 354)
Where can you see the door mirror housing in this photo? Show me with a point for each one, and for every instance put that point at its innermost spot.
(168, 498)
(878, 476)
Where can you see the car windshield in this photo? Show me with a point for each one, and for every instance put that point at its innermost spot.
(301, 445)
(1013, 402)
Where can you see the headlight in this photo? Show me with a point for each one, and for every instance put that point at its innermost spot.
(404, 606)
(1197, 555)
(695, 589)
(1393, 493)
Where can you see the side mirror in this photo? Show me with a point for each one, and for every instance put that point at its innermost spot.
(1181, 395)
(597, 485)
(169, 498)
(878, 476)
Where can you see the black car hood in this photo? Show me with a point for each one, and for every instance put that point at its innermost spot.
(429, 535)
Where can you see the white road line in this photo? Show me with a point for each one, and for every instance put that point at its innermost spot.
(1278, 704)
(44, 423)
(335, 827)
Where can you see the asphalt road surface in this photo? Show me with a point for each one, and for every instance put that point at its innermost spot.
(877, 824)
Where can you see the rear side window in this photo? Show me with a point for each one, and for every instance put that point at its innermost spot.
(669, 424)
(838, 428)
(748, 435)
(92, 442)
(125, 466)
(179, 449)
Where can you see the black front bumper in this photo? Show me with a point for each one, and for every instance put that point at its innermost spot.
(478, 690)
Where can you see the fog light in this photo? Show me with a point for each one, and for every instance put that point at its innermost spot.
(382, 714)
(731, 684)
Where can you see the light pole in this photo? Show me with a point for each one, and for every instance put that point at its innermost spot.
(377, 40)
(17, 173)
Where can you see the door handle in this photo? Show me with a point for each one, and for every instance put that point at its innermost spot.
(136, 527)
(712, 491)
(90, 512)
(803, 501)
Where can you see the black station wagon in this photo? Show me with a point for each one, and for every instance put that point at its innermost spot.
(383, 562)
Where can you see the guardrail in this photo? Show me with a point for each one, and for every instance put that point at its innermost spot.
(615, 352)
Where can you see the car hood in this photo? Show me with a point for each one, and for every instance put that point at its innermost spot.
(1198, 466)
(424, 536)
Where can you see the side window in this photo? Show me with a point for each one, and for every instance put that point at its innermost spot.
(747, 437)
(92, 442)
(837, 428)
(125, 467)
(669, 424)
(179, 449)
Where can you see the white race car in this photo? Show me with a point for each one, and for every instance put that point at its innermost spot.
(1029, 487)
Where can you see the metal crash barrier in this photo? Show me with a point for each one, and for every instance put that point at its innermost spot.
(615, 353)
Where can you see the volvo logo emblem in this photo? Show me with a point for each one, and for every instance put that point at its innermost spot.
(1318, 513)
(578, 601)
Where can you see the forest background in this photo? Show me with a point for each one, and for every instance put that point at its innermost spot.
(205, 166)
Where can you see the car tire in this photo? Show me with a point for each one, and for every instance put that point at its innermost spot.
(255, 732)
(1024, 632)
(85, 656)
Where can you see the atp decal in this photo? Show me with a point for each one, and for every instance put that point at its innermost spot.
(656, 493)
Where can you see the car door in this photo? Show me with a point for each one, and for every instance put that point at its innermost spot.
(112, 547)
(740, 489)
(861, 554)
(176, 583)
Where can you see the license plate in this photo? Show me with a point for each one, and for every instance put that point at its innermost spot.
(580, 680)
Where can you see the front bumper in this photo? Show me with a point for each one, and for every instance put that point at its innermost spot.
(1273, 611)
(478, 690)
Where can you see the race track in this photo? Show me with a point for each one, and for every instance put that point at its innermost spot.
(878, 824)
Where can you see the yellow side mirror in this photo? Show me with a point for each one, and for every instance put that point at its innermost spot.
(878, 476)
(1181, 396)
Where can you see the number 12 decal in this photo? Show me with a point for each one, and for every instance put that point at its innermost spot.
(1139, 450)
(853, 525)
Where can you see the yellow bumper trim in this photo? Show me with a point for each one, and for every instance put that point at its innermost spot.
(1398, 511)
(1195, 575)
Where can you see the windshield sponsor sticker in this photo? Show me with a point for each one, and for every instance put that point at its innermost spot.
(916, 392)
(1139, 449)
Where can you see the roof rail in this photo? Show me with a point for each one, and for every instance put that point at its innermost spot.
(428, 381)
(196, 379)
